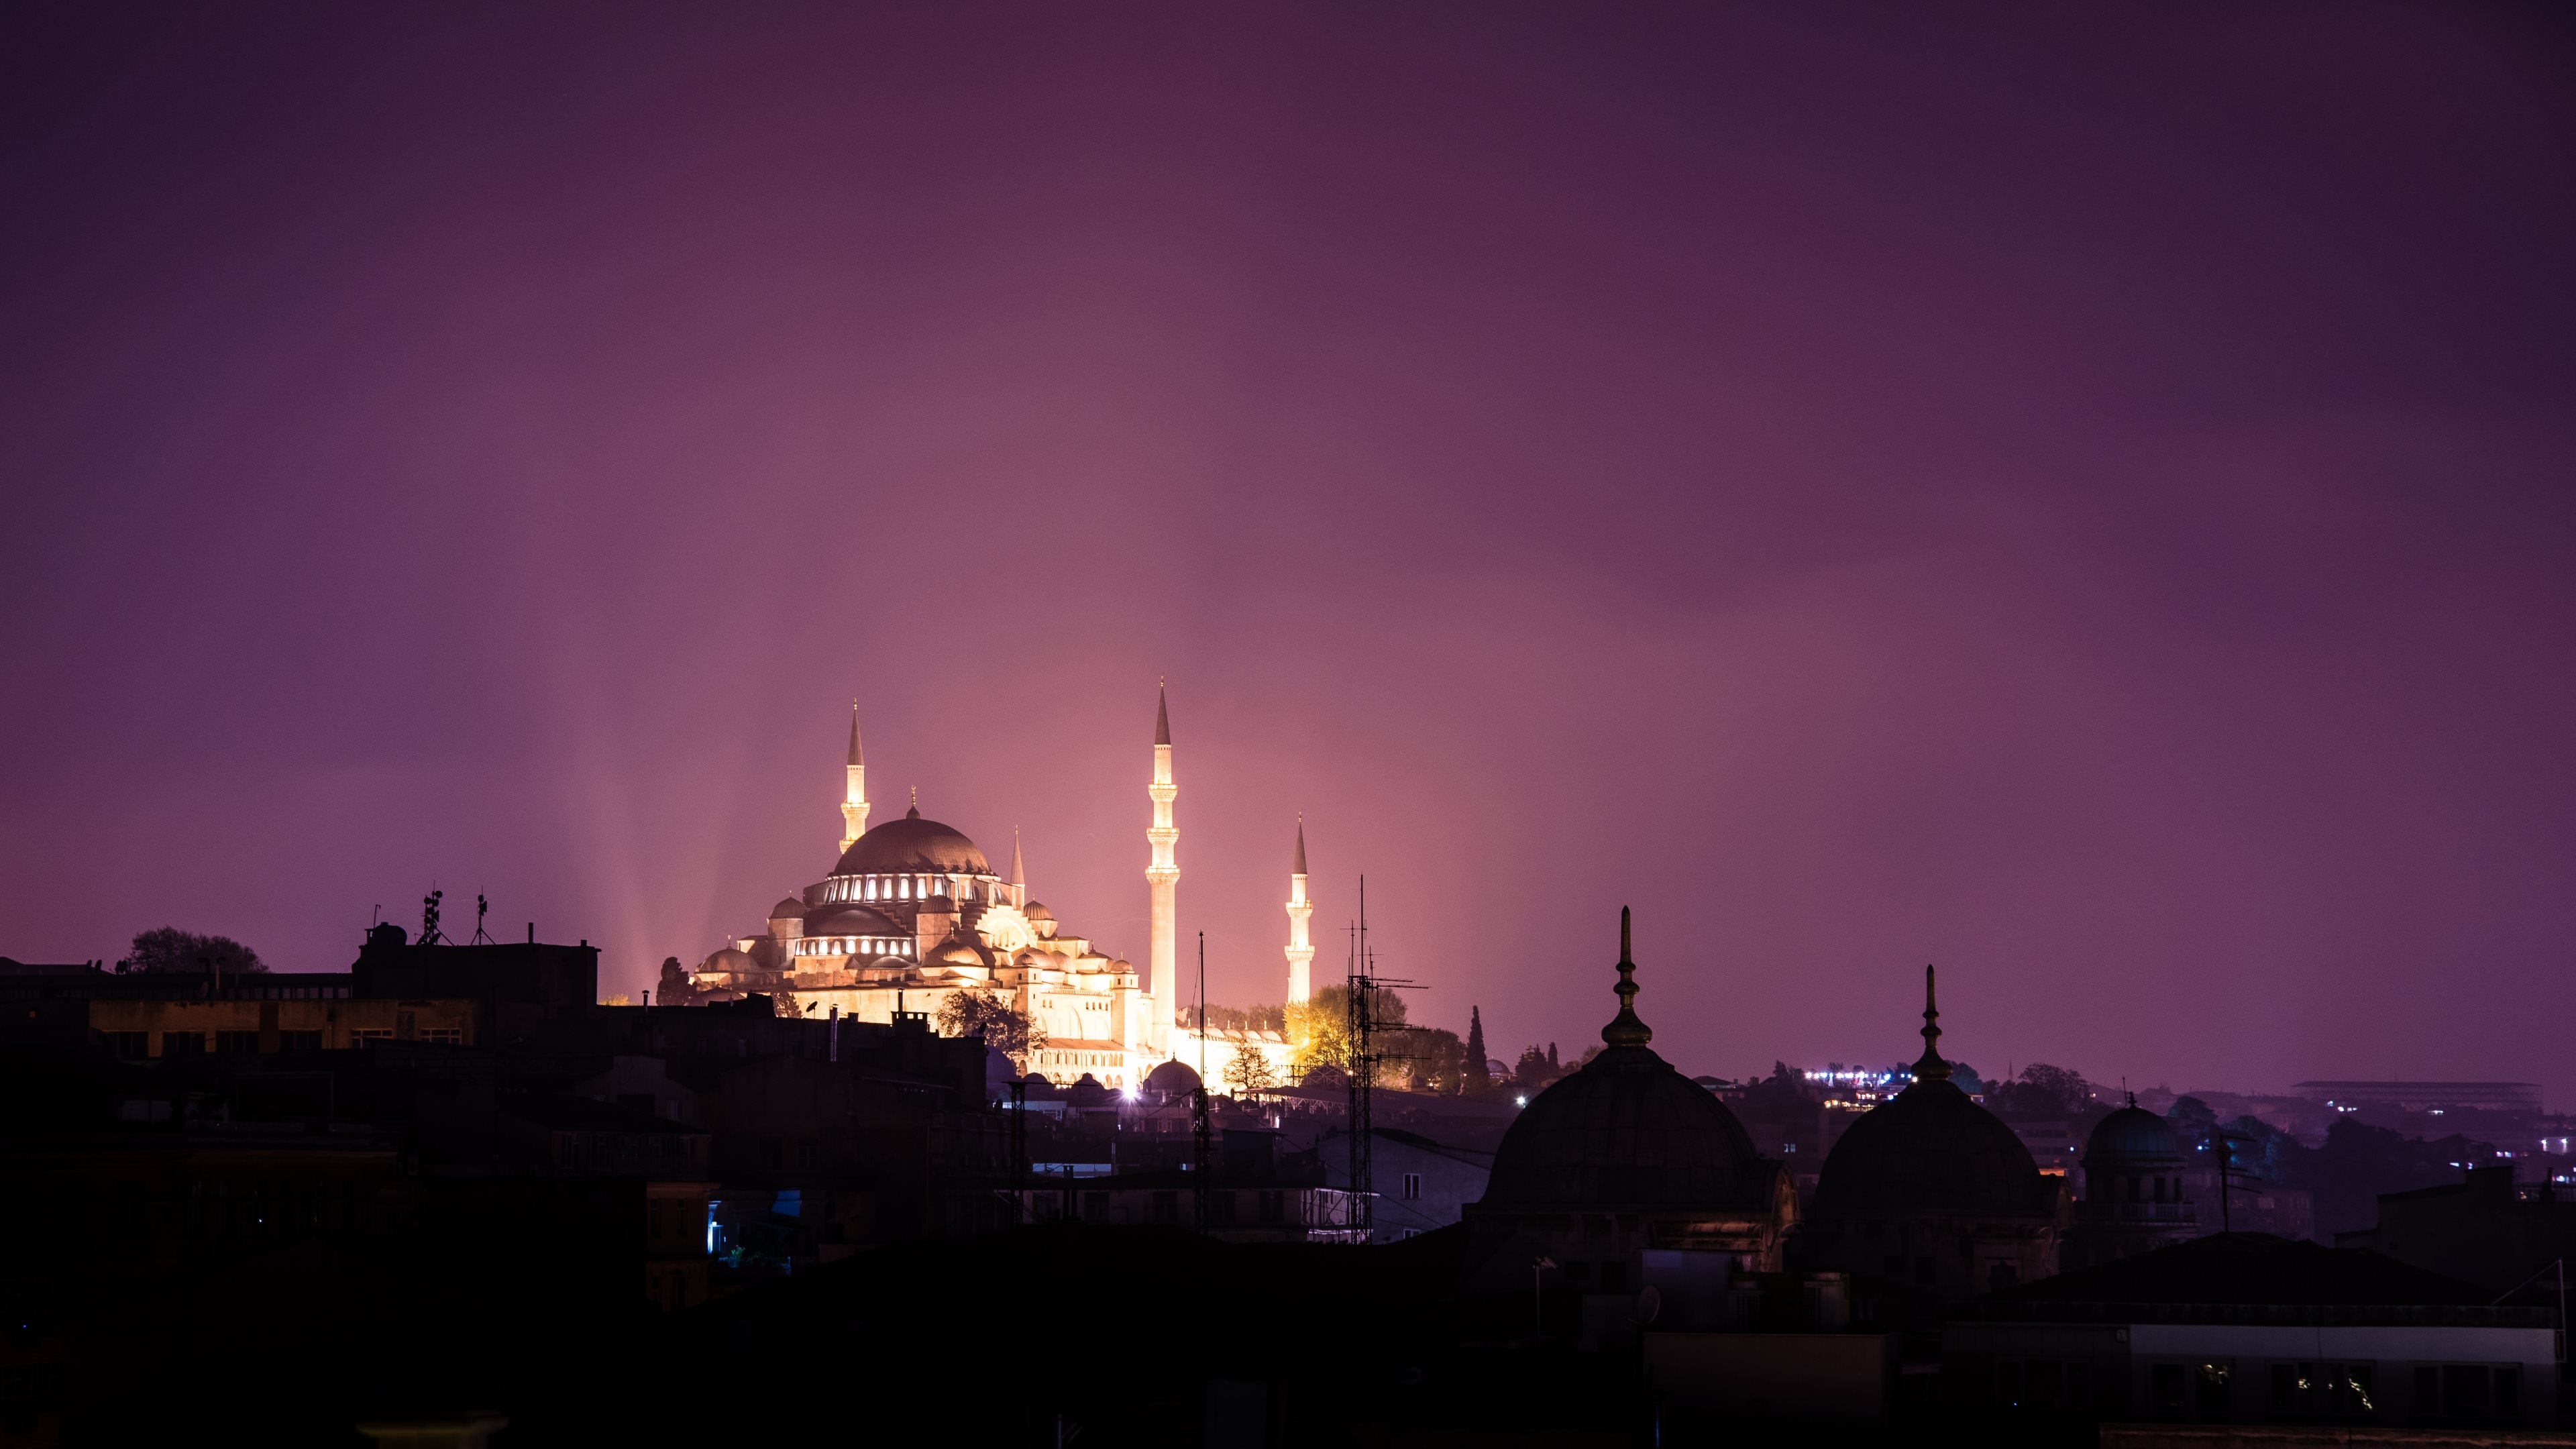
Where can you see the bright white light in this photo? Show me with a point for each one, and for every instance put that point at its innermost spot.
(1520, 1101)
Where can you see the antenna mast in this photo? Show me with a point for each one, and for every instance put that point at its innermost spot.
(1364, 1057)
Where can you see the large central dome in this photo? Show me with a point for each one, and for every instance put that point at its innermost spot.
(913, 846)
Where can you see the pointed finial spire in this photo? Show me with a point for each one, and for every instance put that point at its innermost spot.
(1625, 1029)
(857, 756)
(915, 812)
(1931, 1068)
(1162, 715)
(1301, 843)
(1019, 872)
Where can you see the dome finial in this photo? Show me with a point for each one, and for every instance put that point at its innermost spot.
(1625, 1029)
(915, 812)
(1931, 1068)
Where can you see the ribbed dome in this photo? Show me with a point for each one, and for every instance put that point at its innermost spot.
(728, 959)
(912, 846)
(849, 920)
(1930, 1149)
(2133, 1137)
(1626, 1130)
(958, 949)
(788, 909)
(1035, 912)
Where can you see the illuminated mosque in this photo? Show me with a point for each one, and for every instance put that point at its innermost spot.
(913, 913)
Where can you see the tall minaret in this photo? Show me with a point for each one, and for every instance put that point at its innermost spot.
(1301, 950)
(854, 811)
(1163, 879)
(1019, 873)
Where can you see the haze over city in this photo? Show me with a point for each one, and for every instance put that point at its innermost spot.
(2080, 500)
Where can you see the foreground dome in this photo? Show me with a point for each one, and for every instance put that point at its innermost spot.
(1931, 1149)
(913, 846)
(1625, 1130)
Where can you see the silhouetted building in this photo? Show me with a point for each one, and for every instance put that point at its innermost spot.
(2134, 1200)
(1421, 1185)
(2483, 1229)
(2248, 1328)
(1931, 1189)
(1619, 1158)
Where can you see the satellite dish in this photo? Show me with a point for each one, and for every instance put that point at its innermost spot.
(1650, 1301)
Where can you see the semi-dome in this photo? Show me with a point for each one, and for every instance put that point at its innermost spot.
(913, 846)
(2133, 1138)
(849, 920)
(1625, 1130)
(789, 908)
(1930, 1149)
(959, 949)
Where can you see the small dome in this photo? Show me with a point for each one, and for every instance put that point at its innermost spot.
(728, 959)
(788, 909)
(849, 920)
(1035, 912)
(1170, 1080)
(959, 950)
(913, 846)
(2133, 1137)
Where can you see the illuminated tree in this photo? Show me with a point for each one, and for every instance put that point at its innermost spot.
(1249, 1072)
(1004, 1027)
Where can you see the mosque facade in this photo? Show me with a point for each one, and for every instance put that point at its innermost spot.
(913, 914)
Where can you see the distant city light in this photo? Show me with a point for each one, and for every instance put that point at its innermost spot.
(1520, 1101)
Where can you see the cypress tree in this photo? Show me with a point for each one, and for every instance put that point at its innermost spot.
(1478, 1079)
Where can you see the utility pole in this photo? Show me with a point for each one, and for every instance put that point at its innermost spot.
(1019, 1150)
(1199, 1105)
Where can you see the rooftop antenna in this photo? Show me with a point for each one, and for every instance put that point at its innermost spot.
(481, 906)
(1362, 1077)
(429, 917)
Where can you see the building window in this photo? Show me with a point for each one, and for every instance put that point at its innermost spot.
(1167, 1207)
(1413, 1187)
(129, 1044)
(182, 1043)
(2468, 1391)
(449, 1035)
(299, 1041)
(369, 1036)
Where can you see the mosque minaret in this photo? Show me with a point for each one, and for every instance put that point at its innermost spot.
(854, 809)
(1301, 947)
(1163, 879)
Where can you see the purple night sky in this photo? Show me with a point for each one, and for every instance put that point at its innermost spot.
(2080, 498)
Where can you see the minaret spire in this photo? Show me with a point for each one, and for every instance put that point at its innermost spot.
(1162, 884)
(1019, 872)
(1301, 948)
(1931, 1068)
(1625, 1030)
(854, 806)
